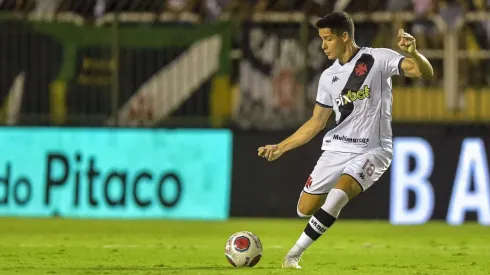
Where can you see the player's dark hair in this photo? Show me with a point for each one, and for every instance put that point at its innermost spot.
(338, 22)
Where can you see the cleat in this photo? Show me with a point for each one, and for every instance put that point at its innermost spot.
(291, 261)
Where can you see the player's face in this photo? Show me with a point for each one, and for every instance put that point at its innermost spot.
(332, 45)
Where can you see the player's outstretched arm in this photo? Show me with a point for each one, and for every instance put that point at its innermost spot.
(416, 65)
(305, 133)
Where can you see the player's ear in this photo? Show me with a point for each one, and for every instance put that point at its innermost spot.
(345, 36)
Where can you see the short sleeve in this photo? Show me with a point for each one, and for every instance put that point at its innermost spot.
(391, 61)
(323, 98)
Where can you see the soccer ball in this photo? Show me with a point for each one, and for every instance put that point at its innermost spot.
(243, 249)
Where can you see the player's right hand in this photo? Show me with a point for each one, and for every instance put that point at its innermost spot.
(270, 152)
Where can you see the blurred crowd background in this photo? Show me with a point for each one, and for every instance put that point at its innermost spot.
(453, 34)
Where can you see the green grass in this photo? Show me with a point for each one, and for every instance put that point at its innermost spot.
(58, 246)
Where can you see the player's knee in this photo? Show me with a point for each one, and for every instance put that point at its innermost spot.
(308, 204)
(304, 212)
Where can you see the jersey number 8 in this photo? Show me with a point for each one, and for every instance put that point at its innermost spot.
(368, 167)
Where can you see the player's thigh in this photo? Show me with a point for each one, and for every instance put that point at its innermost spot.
(325, 175)
(327, 171)
(366, 169)
(349, 185)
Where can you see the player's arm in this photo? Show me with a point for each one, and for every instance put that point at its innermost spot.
(308, 130)
(304, 134)
(416, 65)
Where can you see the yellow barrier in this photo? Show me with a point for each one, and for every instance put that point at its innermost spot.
(57, 99)
(220, 103)
(428, 105)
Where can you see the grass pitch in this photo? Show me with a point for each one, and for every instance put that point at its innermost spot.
(59, 246)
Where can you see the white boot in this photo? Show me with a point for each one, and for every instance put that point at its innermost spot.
(291, 260)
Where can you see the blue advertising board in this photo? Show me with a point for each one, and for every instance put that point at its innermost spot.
(115, 173)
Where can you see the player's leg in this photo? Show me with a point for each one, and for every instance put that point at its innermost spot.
(359, 174)
(323, 177)
(309, 204)
(346, 189)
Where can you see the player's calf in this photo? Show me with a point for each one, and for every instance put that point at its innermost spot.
(323, 219)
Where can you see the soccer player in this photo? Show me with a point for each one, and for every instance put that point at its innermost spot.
(358, 150)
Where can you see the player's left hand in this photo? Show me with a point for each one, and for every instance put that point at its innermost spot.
(407, 42)
(270, 152)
